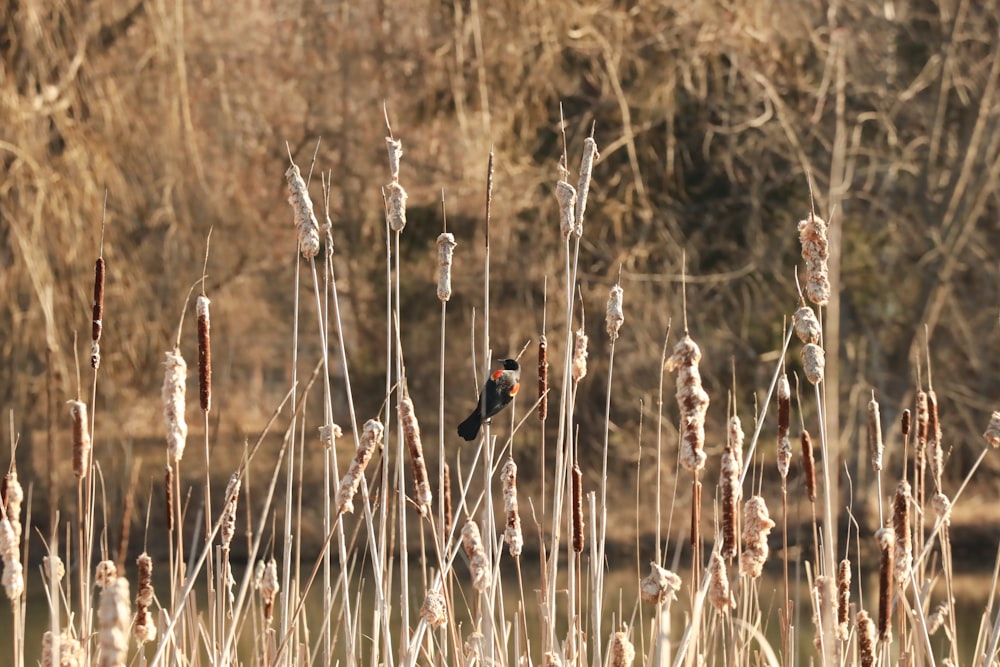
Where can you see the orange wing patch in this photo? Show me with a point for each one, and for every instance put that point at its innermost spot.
(515, 388)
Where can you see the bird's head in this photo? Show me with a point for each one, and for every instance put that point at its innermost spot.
(510, 364)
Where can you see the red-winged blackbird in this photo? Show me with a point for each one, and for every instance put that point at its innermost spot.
(499, 390)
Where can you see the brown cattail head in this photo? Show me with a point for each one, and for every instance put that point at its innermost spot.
(692, 400)
(942, 507)
(621, 651)
(806, 325)
(815, 252)
(757, 525)
(305, 217)
(579, 355)
(543, 377)
(784, 417)
(577, 509)
(395, 197)
(204, 353)
(144, 627)
(808, 465)
(105, 573)
(904, 423)
(71, 654)
(472, 541)
(901, 527)
(174, 390)
(434, 609)
(566, 196)
(866, 639)
(114, 618)
(886, 539)
(512, 535)
(81, 439)
(371, 439)
(97, 321)
(168, 500)
(12, 499)
(614, 317)
(813, 362)
(395, 148)
(718, 584)
(583, 184)
(935, 453)
(920, 444)
(10, 553)
(446, 499)
(843, 599)
(446, 252)
(660, 585)
(228, 527)
(875, 446)
(411, 434)
(992, 433)
(729, 473)
(266, 581)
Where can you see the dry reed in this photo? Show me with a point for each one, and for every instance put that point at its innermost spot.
(808, 465)
(935, 450)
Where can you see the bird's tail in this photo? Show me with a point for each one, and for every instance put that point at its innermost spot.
(469, 429)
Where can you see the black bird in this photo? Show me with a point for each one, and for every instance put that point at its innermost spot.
(498, 391)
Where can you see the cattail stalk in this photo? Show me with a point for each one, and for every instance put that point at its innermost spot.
(808, 465)
(174, 390)
(824, 599)
(446, 499)
(371, 439)
(446, 252)
(757, 525)
(886, 539)
(692, 400)
(204, 353)
(731, 491)
(144, 627)
(472, 541)
(935, 453)
(512, 535)
(543, 378)
(81, 439)
(816, 253)
(97, 319)
(577, 509)
(411, 434)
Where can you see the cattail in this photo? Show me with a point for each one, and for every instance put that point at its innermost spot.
(53, 568)
(824, 599)
(718, 584)
(396, 205)
(660, 585)
(395, 148)
(808, 465)
(942, 507)
(71, 654)
(815, 252)
(480, 567)
(583, 184)
(411, 434)
(866, 639)
(813, 362)
(886, 539)
(446, 493)
(174, 389)
(328, 434)
(446, 251)
(105, 573)
(267, 583)
(577, 509)
(992, 433)
(614, 317)
(920, 445)
(144, 628)
(784, 412)
(370, 439)
(566, 196)
(204, 353)
(729, 473)
(97, 321)
(935, 455)
(904, 423)
(757, 525)
(806, 325)
(168, 486)
(13, 498)
(579, 356)
(81, 439)
(114, 617)
(693, 402)
(474, 649)
(621, 650)
(512, 535)
(937, 618)
(434, 609)
(901, 527)
(305, 217)
(875, 446)
(228, 527)
(551, 659)
(843, 599)
(13, 572)
(543, 377)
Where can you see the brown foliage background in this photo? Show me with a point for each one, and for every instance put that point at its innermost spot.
(710, 117)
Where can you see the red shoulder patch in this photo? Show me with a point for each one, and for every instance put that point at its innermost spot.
(497, 373)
